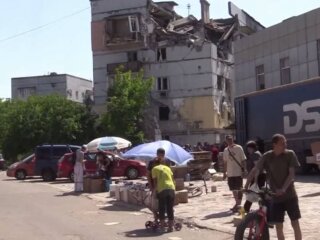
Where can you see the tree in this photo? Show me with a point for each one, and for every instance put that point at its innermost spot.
(43, 119)
(127, 100)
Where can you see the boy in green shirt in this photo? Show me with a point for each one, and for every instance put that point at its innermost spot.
(165, 188)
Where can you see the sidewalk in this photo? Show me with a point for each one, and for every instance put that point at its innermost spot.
(211, 211)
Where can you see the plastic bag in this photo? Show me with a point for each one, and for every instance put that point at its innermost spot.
(251, 196)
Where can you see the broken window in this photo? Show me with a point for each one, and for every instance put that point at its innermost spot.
(161, 54)
(220, 83)
(133, 24)
(164, 113)
(163, 84)
(260, 77)
(125, 28)
(285, 71)
(132, 56)
(228, 87)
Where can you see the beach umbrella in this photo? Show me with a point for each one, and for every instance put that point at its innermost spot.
(174, 152)
(108, 143)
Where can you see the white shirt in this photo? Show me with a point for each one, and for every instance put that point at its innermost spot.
(233, 169)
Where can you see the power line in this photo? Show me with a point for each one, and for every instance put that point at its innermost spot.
(44, 25)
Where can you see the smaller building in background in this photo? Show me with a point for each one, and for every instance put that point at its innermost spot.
(285, 53)
(73, 88)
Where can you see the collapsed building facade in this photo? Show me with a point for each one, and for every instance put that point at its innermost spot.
(190, 60)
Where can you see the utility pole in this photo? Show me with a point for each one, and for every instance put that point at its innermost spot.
(189, 7)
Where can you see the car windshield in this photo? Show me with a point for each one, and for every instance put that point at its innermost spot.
(28, 158)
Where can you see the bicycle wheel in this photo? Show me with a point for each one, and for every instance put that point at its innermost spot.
(194, 192)
(249, 228)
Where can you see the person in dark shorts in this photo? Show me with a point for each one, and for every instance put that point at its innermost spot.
(234, 168)
(253, 156)
(280, 164)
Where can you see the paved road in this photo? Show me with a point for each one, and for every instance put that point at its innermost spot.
(35, 210)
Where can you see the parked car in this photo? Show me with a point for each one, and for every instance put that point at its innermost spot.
(1, 162)
(47, 157)
(132, 169)
(43, 163)
(20, 170)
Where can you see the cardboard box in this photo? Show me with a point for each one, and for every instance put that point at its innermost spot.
(179, 184)
(93, 185)
(97, 185)
(213, 188)
(182, 196)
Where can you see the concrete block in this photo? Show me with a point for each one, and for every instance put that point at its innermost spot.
(182, 196)
(213, 188)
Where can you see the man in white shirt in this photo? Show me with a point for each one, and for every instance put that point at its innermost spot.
(234, 168)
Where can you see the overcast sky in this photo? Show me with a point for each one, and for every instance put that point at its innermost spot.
(64, 46)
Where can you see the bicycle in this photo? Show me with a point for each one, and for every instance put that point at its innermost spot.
(195, 191)
(255, 222)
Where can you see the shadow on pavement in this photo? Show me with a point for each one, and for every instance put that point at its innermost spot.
(218, 215)
(72, 193)
(143, 233)
(61, 181)
(10, 179)
(117, 206)
(311, 195)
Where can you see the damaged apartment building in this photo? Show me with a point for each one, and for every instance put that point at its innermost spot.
(190, 60)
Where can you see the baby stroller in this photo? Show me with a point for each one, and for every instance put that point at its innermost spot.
(152, 204)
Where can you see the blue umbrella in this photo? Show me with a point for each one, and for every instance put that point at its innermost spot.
(174, 152)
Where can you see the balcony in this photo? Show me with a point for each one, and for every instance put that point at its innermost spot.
(128, 66)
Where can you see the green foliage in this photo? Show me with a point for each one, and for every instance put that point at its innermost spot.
(128, 98)
(43, 119)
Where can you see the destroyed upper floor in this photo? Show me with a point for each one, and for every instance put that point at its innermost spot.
(147, 24)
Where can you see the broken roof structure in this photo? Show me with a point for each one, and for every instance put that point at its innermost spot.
(175, 29)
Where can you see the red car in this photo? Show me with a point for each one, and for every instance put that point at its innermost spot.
(20, 170)
(132, 169)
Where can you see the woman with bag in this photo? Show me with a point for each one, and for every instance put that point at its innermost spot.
(253, 156)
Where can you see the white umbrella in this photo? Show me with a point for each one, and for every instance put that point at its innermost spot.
(108, 143)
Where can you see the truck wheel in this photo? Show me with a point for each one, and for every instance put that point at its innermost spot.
(132, 173)
(48, 175)
(21, 175)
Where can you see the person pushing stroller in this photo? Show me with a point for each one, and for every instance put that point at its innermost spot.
(162, 186)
